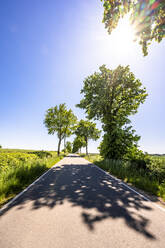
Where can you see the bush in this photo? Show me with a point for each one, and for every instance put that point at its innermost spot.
(17, 178)
(13, 159)
(157, 169)
(41, 154)
(138, 158)
(18, 170)
(147, 173)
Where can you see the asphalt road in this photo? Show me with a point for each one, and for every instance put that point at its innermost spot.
(76, 205)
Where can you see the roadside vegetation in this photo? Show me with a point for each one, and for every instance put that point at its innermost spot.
(19, 168)
(110, 96)
(147, 174)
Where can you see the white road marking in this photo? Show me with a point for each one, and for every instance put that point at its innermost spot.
(121, 182)
(22, 192)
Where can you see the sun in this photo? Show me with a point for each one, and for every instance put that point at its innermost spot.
(123, 37)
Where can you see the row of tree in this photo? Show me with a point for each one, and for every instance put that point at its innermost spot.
(110, 96)
(64, 122)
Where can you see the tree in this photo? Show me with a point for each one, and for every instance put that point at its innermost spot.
(68, 146)
(69, 127)
(78, 143)
(61, 121)
(147, 17)
(111, 96)
(0, 146)
(87, 130)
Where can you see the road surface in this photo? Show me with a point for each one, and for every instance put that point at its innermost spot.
(76, 205)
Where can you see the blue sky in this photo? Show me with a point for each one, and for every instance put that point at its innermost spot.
(47, 48)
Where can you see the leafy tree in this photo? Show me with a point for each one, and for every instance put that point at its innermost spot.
(111, 96)
(0, 146)
(78, 143)
(147, 17)
(61, 121)
(69, 127)
(68, 146)
(87, 130)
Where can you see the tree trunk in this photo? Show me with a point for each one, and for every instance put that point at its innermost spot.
(59, 144)
(64, 143)
(86, 147)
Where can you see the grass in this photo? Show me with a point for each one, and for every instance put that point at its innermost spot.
(151, 180)
(17, 172)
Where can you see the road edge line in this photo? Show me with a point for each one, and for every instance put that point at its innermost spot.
(27, 188)
(126, 185)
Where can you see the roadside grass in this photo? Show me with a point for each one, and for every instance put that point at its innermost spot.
(151, 180)
(17, 173)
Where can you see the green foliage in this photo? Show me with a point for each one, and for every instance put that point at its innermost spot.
(111, 96)
(138, 158)
(41, 154)
(150, 179)
(0, 146)
(147, 18)
(61, 121)
(117, 142)
(18, 170)
(13, 159)
(87, 130)
(69, 146)
(78, 143)
(157, 168)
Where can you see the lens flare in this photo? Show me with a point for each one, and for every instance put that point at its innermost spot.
(144, 15)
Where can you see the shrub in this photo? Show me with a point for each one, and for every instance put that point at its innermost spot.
(13, 159)
(138, 158)
(41, 154)
(148, 176)
(18, 170)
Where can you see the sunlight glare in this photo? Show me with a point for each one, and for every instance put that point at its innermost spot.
(123, 36)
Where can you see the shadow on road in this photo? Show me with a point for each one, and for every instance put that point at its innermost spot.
(89, 188)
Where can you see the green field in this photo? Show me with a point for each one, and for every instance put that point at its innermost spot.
(19, 168)
(150, 179)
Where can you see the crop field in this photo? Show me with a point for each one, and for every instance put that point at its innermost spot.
(19, 168)
(150, 179)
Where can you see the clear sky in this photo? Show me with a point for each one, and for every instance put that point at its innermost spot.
(47, 48)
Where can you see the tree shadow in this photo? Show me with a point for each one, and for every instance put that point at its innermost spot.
(89, 188)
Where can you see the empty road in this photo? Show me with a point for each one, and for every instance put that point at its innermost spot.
(76, 205)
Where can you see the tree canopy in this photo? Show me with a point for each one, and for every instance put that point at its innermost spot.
(147, 17)
(69, 126)
(78, 143)
(69, 146)
(61, 121)
(87, 130)
(111, 96)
